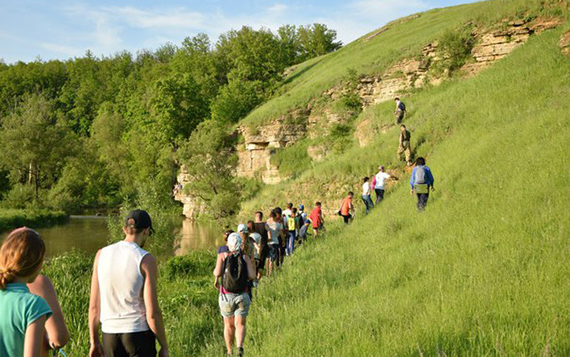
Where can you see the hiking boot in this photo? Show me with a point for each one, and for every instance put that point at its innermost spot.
(240, 352)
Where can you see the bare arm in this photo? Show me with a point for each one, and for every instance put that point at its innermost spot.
(58, 336)
(33, 339)
(153, 313)
(250, 268)
(219, 264)
(95, 311)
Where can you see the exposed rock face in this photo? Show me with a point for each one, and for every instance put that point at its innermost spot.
(564, 43)
(260, 144)
(193, 206)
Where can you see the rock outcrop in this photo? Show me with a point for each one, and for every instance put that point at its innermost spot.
(261, 143)
(193, 206)
(564, 43)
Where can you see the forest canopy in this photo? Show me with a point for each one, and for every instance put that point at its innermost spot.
(98, 132)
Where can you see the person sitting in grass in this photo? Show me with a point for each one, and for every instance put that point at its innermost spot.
(234, 269)
(23, 315)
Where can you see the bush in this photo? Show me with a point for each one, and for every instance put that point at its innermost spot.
(456, 48)
(236, 100)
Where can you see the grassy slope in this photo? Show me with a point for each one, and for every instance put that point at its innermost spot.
(484, 270)
(403, 39)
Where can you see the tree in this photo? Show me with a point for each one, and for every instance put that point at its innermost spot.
(317, 40)
(209, 158)
(236, 100)
(177, 107)
(35, 143)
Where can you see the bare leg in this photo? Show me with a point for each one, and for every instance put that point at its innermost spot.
(229, 332)
(240, 330)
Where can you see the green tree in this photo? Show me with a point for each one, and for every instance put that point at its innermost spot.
(36, 143)
(236, 100)
(317, 40)
(209, 158)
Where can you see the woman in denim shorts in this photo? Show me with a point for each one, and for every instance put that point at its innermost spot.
(234, 307)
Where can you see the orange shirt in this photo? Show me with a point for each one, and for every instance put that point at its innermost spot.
(345, 208)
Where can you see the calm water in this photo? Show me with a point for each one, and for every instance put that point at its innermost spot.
(90, 233)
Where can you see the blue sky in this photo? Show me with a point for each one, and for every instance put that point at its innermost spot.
(60, 29)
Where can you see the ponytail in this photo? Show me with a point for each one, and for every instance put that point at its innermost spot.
(21, 255)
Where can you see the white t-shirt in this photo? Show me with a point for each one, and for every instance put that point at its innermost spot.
(366, 189)
(274, 229)
(381, 177)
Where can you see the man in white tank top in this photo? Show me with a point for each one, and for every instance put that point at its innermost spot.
(123, 296)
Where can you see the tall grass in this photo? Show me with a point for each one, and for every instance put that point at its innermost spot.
(483, 271)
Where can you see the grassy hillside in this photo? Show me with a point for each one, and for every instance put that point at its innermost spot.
(484, 271)
(404, 38)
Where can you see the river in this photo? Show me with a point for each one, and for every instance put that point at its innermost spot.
(90, 233)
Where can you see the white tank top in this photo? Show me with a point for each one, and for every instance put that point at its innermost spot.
(121, 287)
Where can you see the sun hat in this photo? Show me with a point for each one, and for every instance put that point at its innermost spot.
(242, 228)
(234, 242)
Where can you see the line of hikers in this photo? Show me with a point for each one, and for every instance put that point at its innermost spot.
(123, 299)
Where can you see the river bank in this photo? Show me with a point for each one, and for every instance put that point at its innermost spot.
(13, 218)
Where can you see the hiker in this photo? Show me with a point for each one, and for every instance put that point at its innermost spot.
(346, 208)
(274, 227)
(123, 295)
(292, 226)
(247, 247)
(56, 333)
(379, 183)
(287, 213)
(366, 195)
(421, 182)
(259, 227)
(400, 110)
(404, 145)
(255, 241)
(302, 212)
(317, 220)
(23, 315)
(282, 239)
(303, 230)
(235, 270)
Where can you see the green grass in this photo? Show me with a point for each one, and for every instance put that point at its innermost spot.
(13, 218)
(484, 271)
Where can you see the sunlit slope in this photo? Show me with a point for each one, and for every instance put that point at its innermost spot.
(484, 270)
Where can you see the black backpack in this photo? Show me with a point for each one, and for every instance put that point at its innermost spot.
(234, 277)
(402, 106)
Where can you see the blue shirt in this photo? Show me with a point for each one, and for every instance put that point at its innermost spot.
(429, 176)
(18, 309)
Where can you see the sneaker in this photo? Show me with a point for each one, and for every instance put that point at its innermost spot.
(240, 351)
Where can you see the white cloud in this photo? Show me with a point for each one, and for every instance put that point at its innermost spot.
(62, 49)
(177, 18)
(278, 8)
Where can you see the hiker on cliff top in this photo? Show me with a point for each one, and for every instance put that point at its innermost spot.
(235, 270)
(347, 208)
(404, 145)
(366, 193)
(317, 220)
(400, 110)
(421, 182)
(379, 183)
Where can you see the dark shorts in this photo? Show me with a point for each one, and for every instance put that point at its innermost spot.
(273, 252)
(136, 344)
(347, 218)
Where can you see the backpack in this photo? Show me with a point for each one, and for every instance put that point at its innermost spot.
(402, 106)
(420, 175)
(291, 223)
(234, 277)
